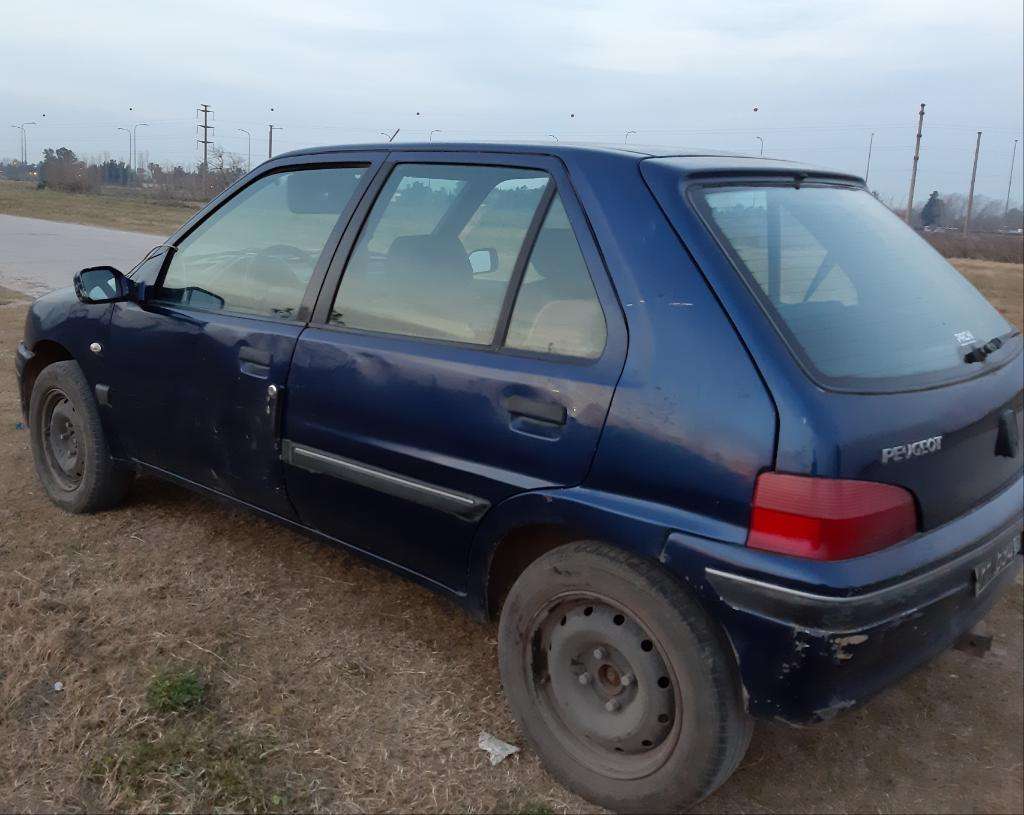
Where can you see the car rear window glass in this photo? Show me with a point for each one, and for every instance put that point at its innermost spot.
(556, 309)
(862, 300)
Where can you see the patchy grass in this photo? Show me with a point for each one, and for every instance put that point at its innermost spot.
(175, 692)
(191, 764)
(135, 213)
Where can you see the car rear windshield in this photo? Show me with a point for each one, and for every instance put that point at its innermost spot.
(864, 302)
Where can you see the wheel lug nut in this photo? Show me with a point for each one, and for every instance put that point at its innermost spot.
(627, 680)
(599, 653)
(612, 705)
(584, 678)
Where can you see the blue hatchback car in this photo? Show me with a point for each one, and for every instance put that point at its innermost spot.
(714, 437)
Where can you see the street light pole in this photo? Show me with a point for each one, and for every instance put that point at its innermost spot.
(135, 140)
(248, 162)
(762, 144)
(867, 170)
(430, 135)
(126, 130)
(20, 141)
(24, 141)
(628, 134)
(270, 143)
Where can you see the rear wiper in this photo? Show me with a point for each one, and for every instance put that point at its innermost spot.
(978, 354)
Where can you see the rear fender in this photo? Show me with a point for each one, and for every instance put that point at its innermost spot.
(578, 513)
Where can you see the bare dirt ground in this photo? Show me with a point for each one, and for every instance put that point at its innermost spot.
(211, 661)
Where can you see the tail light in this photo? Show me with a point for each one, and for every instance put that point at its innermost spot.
(828, 518)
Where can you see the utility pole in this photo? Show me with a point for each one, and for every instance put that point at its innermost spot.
(913, 172)
(867, 170)
(970, 195)
(270, 142)
(206, 127)
(1013, 156)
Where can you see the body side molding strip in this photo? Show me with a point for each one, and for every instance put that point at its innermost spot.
(468, 507)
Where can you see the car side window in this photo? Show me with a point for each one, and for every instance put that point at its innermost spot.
(256, 254)
(556, 309)
(437, 252)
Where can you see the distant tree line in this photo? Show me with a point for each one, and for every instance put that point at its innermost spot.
(949, 212)
(61, 169)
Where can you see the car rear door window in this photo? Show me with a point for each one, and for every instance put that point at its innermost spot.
(256, 253)
(557, 310)
(437, 252)
(863, 302)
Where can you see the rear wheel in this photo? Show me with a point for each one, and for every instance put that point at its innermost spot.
(619, 680)
(71, 455)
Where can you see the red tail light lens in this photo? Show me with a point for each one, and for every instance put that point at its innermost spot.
(828, 518)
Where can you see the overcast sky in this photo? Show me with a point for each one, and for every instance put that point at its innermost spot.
(823, 75)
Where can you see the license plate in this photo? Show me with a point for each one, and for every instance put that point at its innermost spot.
(986, 571)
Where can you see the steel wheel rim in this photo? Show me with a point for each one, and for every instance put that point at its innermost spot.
(580, 650)
(62, 451)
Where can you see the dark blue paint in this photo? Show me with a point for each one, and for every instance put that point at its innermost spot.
(665, 434)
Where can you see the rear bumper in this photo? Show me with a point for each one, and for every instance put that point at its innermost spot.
(814, 639)
(21, 361)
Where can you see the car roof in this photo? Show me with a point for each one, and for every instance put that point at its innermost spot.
(683, 159)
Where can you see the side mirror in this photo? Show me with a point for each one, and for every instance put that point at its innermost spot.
(101, 284)
(484, 261)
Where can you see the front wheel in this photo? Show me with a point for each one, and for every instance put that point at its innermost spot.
(68, 444)
(619, 680)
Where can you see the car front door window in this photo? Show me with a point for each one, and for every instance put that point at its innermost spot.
(256, 254)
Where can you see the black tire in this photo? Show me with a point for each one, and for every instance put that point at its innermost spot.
(574, 621)
(71, 455)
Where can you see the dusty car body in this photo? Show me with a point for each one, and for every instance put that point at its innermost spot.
(757, 384)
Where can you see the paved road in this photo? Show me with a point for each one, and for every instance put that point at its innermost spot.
(40, 256)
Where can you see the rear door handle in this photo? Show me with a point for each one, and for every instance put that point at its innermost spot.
(537, 409)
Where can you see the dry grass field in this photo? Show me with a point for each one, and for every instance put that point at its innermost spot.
(211, 661)
(134, 213)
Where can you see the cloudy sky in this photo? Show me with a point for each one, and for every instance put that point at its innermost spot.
(823, 76)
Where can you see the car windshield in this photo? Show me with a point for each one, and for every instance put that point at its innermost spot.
(864, 302)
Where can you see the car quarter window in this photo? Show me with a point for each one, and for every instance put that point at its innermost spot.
(257, 252)
(438, 250)
(556, 309)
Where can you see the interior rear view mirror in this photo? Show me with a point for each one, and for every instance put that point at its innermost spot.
(484, 261)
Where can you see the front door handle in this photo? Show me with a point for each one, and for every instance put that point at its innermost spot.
(537, 409)
(254, 362)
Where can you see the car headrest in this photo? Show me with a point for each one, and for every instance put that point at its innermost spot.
(443, 258)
